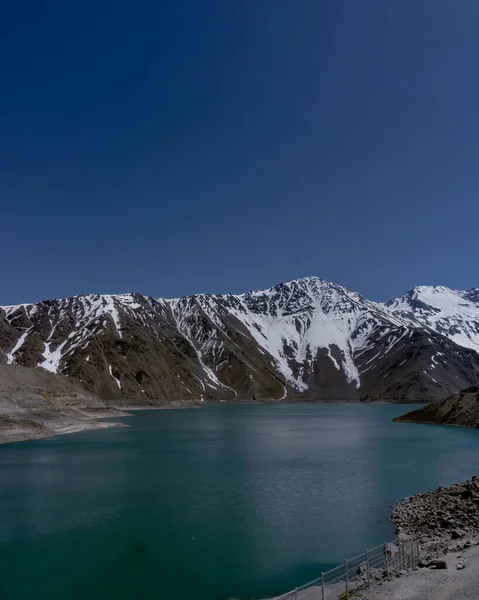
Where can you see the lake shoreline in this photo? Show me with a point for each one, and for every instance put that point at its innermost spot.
(414, 422)
(24, 426)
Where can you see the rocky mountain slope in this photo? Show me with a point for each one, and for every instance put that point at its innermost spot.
(303, 339)
(36, 404)
(459, 409)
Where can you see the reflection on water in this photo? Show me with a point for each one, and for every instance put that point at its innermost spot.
(243, 501)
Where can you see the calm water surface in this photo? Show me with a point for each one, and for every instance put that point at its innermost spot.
(244, 501)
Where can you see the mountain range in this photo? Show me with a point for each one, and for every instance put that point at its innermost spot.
(306, 339)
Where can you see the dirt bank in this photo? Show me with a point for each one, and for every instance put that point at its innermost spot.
(36, 404)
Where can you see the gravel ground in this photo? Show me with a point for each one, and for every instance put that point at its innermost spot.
(435, 584)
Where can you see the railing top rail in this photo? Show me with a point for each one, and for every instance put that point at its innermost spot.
(334, 569)
(283, 596)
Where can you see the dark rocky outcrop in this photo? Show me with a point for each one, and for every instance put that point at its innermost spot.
(460, 409)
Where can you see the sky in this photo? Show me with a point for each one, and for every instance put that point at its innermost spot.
(171, 147)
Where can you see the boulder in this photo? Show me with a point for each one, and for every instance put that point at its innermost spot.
(437, 563)
(457, 534)
(390, 549)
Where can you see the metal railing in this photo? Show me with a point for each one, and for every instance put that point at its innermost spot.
(346, 580)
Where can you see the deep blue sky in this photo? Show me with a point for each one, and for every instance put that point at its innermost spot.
(172, 147)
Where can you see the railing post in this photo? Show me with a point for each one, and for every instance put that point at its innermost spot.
(367, 569)
(322, 586)
(347, 578)
(295, 593)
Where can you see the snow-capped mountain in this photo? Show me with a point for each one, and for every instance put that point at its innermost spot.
(452, 313)
(303, 339)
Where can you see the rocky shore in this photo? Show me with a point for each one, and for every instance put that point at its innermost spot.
(444, 514)
(446, 521)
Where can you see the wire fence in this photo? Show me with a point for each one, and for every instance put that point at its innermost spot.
(345, 581)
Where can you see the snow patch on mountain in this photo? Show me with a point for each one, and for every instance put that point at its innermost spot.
(52, 358)
(18, 345)
(111, 375)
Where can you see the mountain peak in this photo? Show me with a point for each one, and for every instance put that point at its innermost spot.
(453, 313)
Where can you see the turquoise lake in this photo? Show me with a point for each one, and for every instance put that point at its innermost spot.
(242, 501)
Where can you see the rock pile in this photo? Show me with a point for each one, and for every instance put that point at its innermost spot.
(444, 514)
